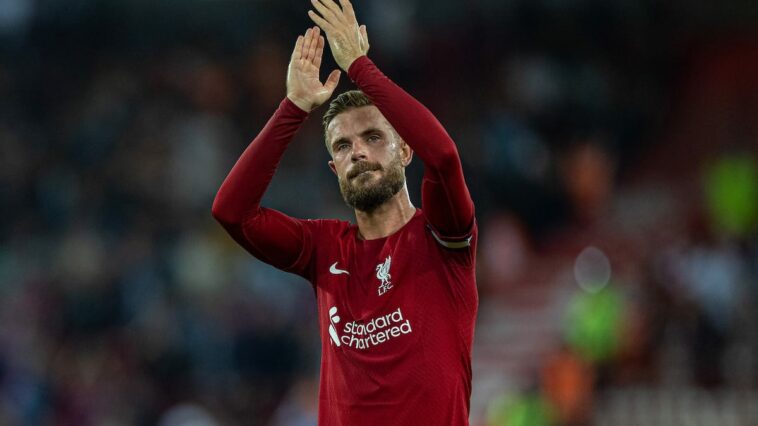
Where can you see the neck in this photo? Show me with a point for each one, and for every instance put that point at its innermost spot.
(387, 218)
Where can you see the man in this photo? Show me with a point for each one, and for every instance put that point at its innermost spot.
(396, 293)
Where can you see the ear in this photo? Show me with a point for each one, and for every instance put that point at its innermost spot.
(332, 167)
(406, 153)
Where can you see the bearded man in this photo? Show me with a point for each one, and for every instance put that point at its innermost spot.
(396, 292)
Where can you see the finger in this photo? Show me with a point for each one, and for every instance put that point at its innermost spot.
(296, 52)
(332, 6)
(326, 14)
(364, 37)
(319, 52)
(321, 22)
(332, 81)
(347, 8)
(306, 43)
(314, 44)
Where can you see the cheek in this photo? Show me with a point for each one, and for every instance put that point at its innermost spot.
(394, 156)
(340, 167)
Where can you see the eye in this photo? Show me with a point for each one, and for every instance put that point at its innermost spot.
(373, 138)
(341, 147)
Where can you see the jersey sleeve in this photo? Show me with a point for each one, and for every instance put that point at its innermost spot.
(269, 235)
(444, 195)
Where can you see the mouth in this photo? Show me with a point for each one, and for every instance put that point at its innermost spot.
(361, 178)
(355, 173)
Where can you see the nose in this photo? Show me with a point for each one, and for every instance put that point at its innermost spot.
(359, 151)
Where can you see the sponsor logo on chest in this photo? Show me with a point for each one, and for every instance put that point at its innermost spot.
(365, 335)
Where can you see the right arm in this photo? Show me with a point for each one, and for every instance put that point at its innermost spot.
(269, 235)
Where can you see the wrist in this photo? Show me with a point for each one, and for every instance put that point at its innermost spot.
(350, 62)
(302, 104)
(356, 65)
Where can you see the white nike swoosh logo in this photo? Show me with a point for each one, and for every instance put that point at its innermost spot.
(333, 269)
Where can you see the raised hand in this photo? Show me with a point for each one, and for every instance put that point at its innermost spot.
(304, 88)
(347, 40)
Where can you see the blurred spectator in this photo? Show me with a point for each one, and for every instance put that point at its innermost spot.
(594, 324)
(300, 407)
(581, 124)
(731, 190)
(523, 409)
(187, 415)
(568, 382)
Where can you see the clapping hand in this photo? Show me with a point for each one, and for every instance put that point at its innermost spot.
(347, 40)
(304, 88)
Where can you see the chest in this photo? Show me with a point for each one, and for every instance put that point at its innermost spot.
(366, 279)
(372, 295)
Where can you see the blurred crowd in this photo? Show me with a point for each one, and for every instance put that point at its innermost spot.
(611, 148)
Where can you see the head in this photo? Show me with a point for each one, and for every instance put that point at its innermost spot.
(368, 156)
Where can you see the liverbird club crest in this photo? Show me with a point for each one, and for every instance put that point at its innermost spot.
(383, 274)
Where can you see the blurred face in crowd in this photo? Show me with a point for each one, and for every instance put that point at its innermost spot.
(368, 157)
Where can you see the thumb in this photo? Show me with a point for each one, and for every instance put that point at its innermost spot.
(332, 80)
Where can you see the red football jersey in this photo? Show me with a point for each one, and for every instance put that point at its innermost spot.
(396, 314)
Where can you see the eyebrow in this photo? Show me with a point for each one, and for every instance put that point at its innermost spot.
(338, 141)
(364, 133)
(370, 131)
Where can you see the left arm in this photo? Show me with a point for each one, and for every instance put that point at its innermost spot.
(445, 197)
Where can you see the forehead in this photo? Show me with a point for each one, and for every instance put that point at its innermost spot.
(354, 121)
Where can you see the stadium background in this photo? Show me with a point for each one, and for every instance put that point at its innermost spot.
(610, 147)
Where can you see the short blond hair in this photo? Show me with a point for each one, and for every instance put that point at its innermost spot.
(345, 101)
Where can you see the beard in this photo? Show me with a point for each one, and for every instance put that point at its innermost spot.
(362, 195)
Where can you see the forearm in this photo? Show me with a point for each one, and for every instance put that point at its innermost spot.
(412, 120)
(269, 235)
(242, 190)
(445, 197)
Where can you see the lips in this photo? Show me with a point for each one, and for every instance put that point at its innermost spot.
(362, 168)
(360, 174)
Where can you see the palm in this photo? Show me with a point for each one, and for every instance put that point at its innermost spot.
(303, 85)
(304, 81)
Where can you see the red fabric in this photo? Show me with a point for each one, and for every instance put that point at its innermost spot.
(444, 195)
(267, 234)
(401, 307)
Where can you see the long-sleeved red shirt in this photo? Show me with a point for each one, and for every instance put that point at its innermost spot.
(396, 313)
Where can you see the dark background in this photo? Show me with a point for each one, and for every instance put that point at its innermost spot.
(610, 148)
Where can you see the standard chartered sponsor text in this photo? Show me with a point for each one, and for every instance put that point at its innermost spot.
(378, 330)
